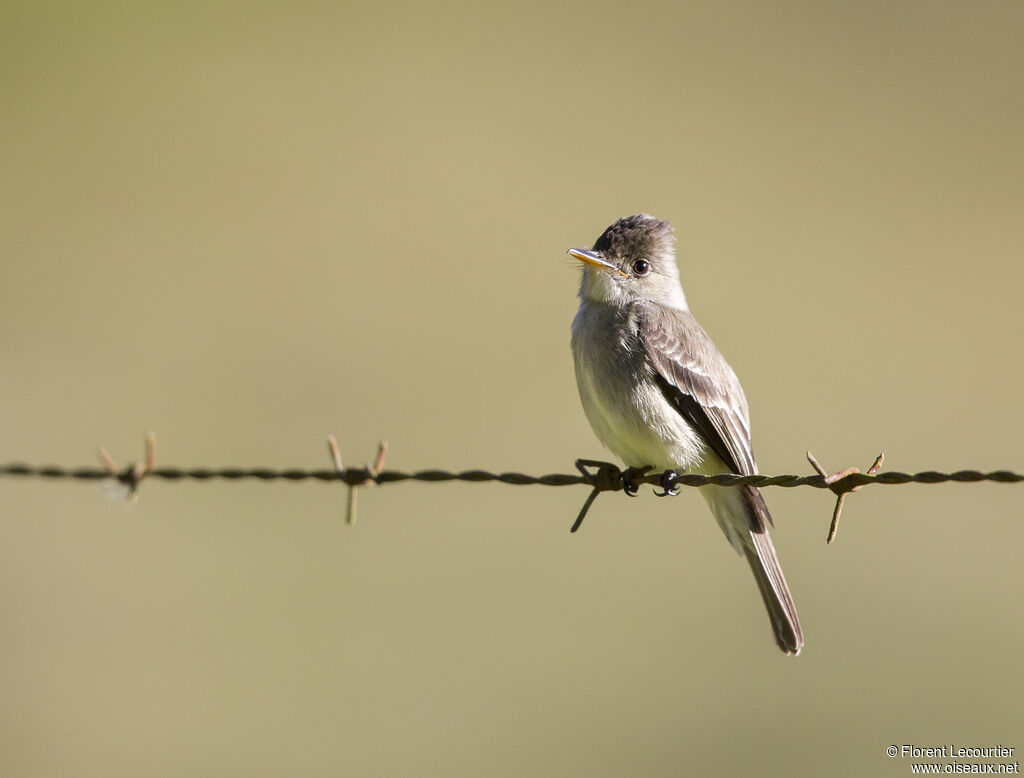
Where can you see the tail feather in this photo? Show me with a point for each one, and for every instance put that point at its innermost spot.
(760, 554)
(743, 516)
(775, 594)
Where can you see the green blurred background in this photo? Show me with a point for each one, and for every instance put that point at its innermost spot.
(247, 226)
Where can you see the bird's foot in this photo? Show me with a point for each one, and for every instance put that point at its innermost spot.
(669, 483)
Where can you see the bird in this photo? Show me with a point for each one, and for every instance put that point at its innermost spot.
(659, 394)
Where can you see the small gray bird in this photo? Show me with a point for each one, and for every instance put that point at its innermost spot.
(658, 393)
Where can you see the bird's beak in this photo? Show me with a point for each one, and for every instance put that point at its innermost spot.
(594, 259)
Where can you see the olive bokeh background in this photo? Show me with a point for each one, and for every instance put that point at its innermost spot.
(246, 226)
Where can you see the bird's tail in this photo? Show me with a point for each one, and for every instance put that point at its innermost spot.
(748, 531)
(760, 553)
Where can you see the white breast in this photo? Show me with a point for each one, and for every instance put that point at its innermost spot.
(625, 407)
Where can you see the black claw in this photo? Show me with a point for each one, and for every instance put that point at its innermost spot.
(669, 483)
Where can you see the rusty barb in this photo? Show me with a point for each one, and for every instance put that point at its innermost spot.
(357, 476)
(841, 484)
(132, 475)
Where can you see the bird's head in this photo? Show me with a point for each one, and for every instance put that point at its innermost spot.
(633, 260)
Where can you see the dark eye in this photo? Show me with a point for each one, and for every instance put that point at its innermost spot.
(641, 267)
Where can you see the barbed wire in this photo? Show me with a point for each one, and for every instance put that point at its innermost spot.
(598, 475)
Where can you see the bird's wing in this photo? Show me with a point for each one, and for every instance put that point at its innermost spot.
(697, 381)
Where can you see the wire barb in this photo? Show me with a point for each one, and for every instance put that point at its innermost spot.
(356, 478)
(607, 478)
(841, 485)
(132, 475)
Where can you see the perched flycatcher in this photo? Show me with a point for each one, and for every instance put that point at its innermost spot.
(658, 393)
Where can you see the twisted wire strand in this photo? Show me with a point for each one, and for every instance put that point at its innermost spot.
(360, 475)
(606, 477)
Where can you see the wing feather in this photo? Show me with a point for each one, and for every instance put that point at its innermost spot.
(695, 378)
